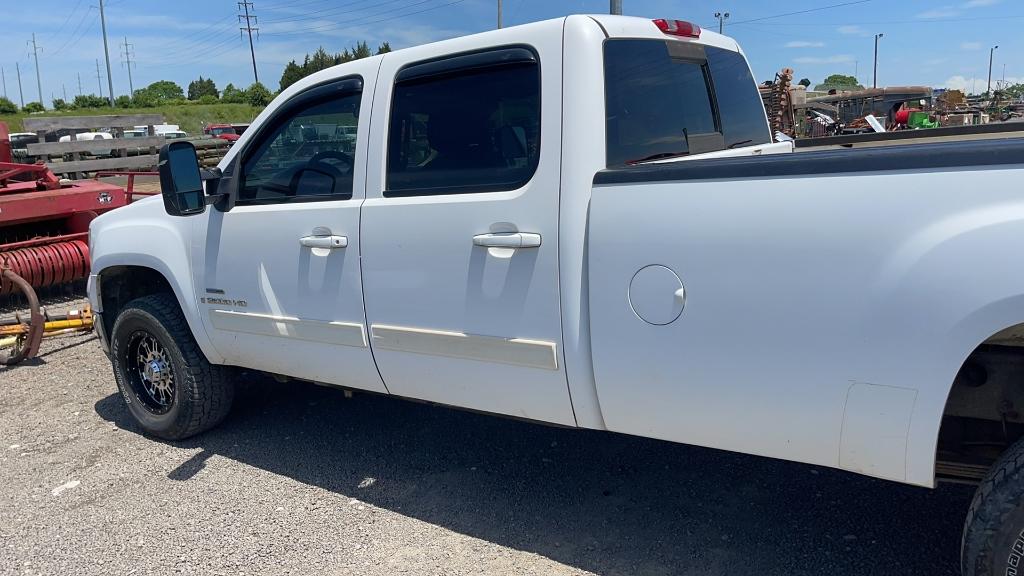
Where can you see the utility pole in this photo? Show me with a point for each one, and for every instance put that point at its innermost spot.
(128, 62)
(17, 68)
(615, 7)
(4, 76)
(99, 77)
(249, 21)
(991, 55)
(106, 54)
(35, 54)
(722, 17)
(499, 14)
(877, 37)
(79, 83)
(64, 90)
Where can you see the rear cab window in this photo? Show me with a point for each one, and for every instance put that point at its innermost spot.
(667, 98)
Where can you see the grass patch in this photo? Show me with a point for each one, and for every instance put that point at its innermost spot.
(191, 117)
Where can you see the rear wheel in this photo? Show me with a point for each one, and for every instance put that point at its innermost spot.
(170, 388)
(993, 541)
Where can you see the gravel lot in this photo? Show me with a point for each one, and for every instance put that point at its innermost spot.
(300, 480)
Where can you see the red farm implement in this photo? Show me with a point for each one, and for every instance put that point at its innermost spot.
(44, 242)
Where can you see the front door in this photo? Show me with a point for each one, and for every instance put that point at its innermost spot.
(278, 276)
(460, 243)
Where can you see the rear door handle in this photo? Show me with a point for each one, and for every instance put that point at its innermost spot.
(328, 242)
(507, 240)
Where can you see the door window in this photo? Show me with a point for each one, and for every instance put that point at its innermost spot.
(474, 129)
(306, 154)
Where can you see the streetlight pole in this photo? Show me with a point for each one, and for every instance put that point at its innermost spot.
(615, 7)
(877, 37)
(991, 55)
(722, 17)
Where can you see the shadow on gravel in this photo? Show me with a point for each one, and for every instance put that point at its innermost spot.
(606, 503)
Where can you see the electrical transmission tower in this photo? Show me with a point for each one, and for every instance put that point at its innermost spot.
(127, 61)
(99, 77)
(249, 19)
(35, 55)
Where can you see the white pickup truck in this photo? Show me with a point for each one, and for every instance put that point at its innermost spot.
(585, 222)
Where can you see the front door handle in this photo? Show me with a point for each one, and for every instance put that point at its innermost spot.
(507, 240)
(327, 242)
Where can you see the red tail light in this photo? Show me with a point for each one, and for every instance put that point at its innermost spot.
(678, 28)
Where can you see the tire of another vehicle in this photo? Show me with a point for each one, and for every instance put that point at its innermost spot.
(197, 395)
(993, 539)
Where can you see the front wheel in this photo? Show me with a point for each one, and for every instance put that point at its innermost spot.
(993, 541)
(170, 388)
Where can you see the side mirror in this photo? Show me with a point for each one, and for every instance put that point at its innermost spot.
(180, 182)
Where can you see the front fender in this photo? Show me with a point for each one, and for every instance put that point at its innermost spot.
(143, 235)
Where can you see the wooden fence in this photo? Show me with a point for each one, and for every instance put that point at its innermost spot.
(118, 153)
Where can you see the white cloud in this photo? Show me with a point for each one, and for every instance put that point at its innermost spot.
(980, 3)
(804, 44)
(970, 45)
(939, 13)
(837, 59)
(852, 31)
(974, 84)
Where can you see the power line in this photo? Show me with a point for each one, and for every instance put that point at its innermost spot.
(71, 40)
(854, 2)
(361, 21)
(67, 19)
(249, 21)
(127, 61)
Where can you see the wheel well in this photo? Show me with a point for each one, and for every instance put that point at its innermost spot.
(984, 413)
(122, 284)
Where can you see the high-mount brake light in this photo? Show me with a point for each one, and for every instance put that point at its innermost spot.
(678, 28)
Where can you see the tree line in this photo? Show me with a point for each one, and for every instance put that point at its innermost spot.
(204, 90)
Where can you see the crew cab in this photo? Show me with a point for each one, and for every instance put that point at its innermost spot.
(586, 222)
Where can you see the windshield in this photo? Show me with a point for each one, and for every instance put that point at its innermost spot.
(667, 98)
(222, 130)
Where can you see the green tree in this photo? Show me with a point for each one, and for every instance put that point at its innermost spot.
(61, 104)
(257, 95)
(232, 95)
(7, 107)
(321, 60)
(805, 82)
(90, 101)
(162, 92)
(839, 82)
(202, 87)
(123, 101)
(292, 74)
(33, 107)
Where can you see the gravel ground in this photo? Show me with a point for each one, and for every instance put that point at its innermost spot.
(301, 480)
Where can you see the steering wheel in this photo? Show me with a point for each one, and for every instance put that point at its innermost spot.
(345, 159)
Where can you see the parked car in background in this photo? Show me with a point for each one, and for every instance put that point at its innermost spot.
(222, 131)
(91, 136)
(19, 146)
(585, 222)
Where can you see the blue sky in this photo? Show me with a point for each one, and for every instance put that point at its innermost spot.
(931, 42)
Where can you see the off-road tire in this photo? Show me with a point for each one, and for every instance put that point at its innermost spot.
(202, 392)
(993, 540)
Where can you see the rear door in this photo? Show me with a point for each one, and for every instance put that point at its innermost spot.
(278, 276)
(460, 238)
